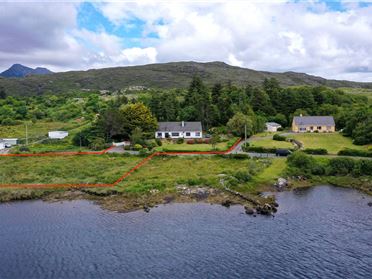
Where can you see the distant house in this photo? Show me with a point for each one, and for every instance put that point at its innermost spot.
(9, 142)
(183, 129)
(57, 134)
(321, 124)
(272, 126)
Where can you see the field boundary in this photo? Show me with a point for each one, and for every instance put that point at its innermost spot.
(63, 153)
(102, 185)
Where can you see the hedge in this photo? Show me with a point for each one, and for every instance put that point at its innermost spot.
(279, 137)
(354, 152)
(316, 151)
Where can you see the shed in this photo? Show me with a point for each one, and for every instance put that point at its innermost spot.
(272, 126)
(9, 142)
(57, 134)
(2, 145)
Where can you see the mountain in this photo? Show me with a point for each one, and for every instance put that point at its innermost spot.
(166, 75)
(18, 70)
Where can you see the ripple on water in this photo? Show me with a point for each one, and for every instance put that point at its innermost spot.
(321, 232)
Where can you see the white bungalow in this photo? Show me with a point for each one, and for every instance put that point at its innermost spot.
(183, 129)
(9, 142)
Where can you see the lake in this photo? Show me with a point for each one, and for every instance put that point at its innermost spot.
(320, 232)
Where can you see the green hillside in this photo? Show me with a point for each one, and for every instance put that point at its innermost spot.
(167, 75)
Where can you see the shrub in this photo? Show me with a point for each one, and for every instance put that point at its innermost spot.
(354, 152)
(243, 176)
(180, 141)
(126, 147)
(97, 144)
(159, 142)
(137, 147)
(341, 166)
(143, 151)
(24, 149)
(259, 149)
(279, 137)
(10, 122)
(207, 141)
(316, 151)
(280, 129)
(190, 141)
(199, 141)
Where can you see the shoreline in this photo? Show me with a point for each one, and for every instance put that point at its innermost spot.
(112, 200)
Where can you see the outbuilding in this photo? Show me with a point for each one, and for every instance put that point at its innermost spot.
(9, 142)
(2, 145)
(57, 134)
(272, 126)
(176, 130)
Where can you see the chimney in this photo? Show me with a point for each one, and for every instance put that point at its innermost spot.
(183, 124)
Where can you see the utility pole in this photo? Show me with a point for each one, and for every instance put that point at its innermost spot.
(245, 133)
(26, 135)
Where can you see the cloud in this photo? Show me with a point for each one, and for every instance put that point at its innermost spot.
(314, 37)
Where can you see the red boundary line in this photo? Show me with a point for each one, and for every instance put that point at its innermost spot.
(103, 185)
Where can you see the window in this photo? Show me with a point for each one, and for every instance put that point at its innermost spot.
(175, 134)
(302, 129)
(188, 134)
(311, 128)
(160, 134)
(197, 134)
(319, 127)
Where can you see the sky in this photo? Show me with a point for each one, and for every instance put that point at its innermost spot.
(332, 39)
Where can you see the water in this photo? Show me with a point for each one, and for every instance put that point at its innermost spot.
(322, 232)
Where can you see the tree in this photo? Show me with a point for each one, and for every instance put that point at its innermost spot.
(138, 115)
(137, 136)
(238, 123)
(2, 93)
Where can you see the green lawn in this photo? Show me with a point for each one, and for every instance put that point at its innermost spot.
(68, 169)
(333, 142)
(359, 92)
(273, 172)
(221, 146)
(269, 143)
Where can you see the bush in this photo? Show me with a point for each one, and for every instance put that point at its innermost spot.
(207, 141)
(10, 122)
(243, 176)
(341, 166)
(280, 129)
(97, 144)
(137, 147)
(316, 151)
(24, 149)
(180, 141)
(258, 149)
(354, 152)
(159, 142)
(199, 141)
(143, 151)
(279, 137)
(190, 141)
(126, 147)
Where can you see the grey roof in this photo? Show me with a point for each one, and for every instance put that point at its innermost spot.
(274, 124)
(314, 120)
(177, 126)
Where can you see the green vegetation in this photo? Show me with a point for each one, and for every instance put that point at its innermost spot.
(164, 173)
(173, 75)
(67, 169)
(220, 146)
(358, 92)
(269, 143)
(333, 142)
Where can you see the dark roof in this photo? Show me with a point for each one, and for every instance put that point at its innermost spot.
(314, 120)
(177, 126)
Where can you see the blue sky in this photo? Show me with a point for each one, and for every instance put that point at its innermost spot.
(325, 38)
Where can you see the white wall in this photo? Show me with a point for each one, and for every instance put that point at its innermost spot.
(193, 135)
(57, 134)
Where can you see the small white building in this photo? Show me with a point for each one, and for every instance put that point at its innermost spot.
(176, 130)
(2, 145)
(57, 134)
(272, 126)
(9, 142)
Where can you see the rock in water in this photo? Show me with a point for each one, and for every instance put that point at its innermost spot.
(249, 210)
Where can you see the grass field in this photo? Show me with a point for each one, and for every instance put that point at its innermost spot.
(38, 129)
(359, 92)
(333, 142)
(221, 146)
(269, 143)
(68, 169)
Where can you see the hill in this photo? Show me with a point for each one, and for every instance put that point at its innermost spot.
(166, 75)
(18, 71)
